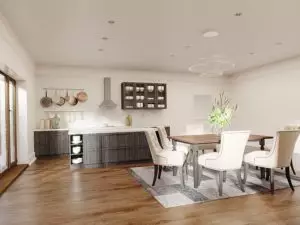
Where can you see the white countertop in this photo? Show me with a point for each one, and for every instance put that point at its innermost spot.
(107, 130)
(98, 130)
(62, 129)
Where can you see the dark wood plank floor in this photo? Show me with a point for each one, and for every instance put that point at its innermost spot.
(48, 192)
(8, 177)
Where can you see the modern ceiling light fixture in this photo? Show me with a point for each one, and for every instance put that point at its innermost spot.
(238, 14)
(278, 43)
(212, 67)
(187, 46)
(210, 33)
(111, 22)
(252, 53)
(172, 55)
(100, 49)
(104, 38)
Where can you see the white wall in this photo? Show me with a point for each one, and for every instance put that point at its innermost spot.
(21, 67)
(268, 98)
(181, 89)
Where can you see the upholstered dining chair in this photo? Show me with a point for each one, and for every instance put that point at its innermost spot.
(229, 157)
(278, 157)
(166, 143)
(163, 157)
(292, 127)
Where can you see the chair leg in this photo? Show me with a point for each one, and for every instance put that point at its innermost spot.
(215, 150)
(239, 176)
(224, 176)
(292, 167)
(174, 171)
(268, 172)
(287, 174)
(155, 174)
(271, 180)
(220, 183)
(262, 172)
(203, 151)
(182, 176)
(159, 171)
(246, 167)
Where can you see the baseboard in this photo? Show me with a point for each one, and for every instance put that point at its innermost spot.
(31, 159)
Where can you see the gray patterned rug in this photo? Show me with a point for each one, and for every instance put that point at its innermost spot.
(169, 193)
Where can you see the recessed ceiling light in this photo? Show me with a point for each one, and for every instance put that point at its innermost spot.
(187, 46)
(252, 53)
(100, 49)
(211, 34)
(104, 38)
(111, 22)
(279, 43)
(238, 14)
(172, 55)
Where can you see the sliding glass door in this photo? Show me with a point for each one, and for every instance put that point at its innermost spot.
(8, 148)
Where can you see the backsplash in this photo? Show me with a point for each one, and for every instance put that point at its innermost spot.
(181, 91)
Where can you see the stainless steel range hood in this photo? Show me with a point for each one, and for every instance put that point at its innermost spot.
(107, 102)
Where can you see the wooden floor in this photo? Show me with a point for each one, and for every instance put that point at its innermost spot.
(48, 192)
(8, 177)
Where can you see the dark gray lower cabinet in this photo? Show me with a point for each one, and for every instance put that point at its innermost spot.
(101, 150)
(49, 143)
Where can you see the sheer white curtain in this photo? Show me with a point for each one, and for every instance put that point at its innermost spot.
(3, 156)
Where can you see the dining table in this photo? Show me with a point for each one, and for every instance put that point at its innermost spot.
(194, 141)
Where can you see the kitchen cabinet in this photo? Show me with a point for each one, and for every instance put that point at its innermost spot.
(49, 143)
(103, 149)
(143, 95)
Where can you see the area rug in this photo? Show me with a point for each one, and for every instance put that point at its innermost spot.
(169, 193)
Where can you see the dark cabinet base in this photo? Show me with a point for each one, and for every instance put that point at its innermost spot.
(102, 150)
(51, 143)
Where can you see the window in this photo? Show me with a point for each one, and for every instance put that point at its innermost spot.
(8, 148)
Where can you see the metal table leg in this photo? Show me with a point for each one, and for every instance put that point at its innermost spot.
(195, 166)
(174, 149)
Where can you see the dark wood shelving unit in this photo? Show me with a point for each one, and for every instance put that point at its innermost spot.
(143, 95)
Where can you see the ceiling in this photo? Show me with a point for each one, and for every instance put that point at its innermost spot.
(156, 35)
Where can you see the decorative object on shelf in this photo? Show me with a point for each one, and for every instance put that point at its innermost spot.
(46, 101)
(47, 124)
(82, 96)
(77, 160)
(76, 139)
(221, 114)
(42, 124)
(55, 122)
(129, 120)
(76, 149)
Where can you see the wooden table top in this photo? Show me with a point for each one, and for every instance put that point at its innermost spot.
(210, 138)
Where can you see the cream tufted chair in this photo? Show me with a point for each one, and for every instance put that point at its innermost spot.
(163, 157)
(166, 143)
(229, 157)
(280, 155)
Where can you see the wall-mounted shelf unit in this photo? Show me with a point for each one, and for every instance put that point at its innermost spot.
(143, 95)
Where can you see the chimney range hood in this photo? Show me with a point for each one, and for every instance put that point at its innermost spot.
(107, 102)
